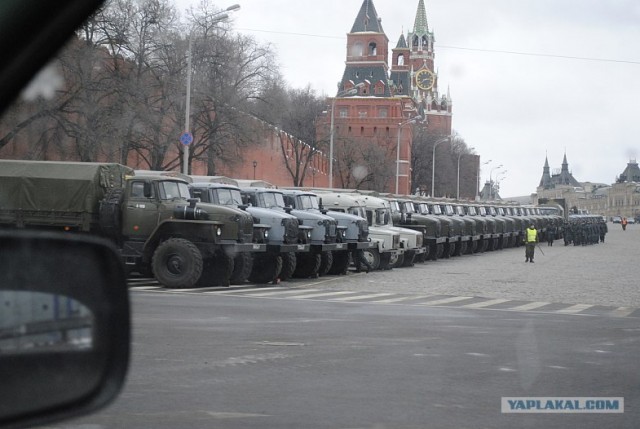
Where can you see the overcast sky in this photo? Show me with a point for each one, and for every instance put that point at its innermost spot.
(528, 78)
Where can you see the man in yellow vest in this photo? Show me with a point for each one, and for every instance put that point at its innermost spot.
(530, 240)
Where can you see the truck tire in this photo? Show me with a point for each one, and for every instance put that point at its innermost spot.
(308, 265)
(340, 263)
(177, 263)
(373, 257)
(399, 261)
(386, 261)
(266, 268)
(242, 266)
(463, 248)
(452, 249)
(110, 214)
(409, 258)
(439, 250)
(216, 270)
(289, 262)
(326, 260)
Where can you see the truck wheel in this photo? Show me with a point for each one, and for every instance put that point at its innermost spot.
(409, 258)
(421, 257)
(217, 270)
(308, 265)
(242, 266)
(177, 263)
(452, 249)
(326, 260)
(110, 214)
(439, 251)
(340, 263)
(387, 261)
(433, 252)
(266, 268)
(289, 262)
(463, 248)
(373, 257)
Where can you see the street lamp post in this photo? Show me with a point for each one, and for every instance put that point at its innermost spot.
(458, 183)
(500, 175)
(255, 164)
(433, 164)
(351, 91)
(400, 125)
(490, 180)
(220, 16)
(478, 177)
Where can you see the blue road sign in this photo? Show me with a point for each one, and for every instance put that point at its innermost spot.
(186, 138)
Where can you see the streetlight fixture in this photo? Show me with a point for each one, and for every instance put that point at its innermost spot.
(220, 16)
(433, 164)
(478, 177)
(400, 125)
(352, 91)
(458, 183)
(490, 180)
(499, 175)
(255, 164)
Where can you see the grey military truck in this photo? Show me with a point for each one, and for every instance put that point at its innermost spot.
(439, 243)
(157, 227)
(467, 228)
(411, 240)
(347, 227)
(320, 230)
(383, 244)
(283, 239)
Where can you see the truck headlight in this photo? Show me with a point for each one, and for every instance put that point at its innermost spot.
(308, 233)
(218, 231)
(266, 233)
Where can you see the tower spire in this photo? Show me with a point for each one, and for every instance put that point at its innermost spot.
(420, 25)
(367, 19)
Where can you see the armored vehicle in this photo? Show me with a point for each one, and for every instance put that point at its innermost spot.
(283, 238)
(157, 227)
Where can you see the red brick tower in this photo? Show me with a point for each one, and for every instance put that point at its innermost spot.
(376, 106)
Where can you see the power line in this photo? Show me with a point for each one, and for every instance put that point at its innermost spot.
(495, 51)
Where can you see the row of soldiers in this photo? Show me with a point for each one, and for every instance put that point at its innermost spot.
(584, 229)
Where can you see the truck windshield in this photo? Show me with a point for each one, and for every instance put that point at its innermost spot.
(422, 208)
(271, 199)
(308, 202)
(471, 211)
(394, 206)
(459, 211)
(228, 197)
(170, 190)
(382, 216)
(482, 211)
(448, 210)
(358, 211)
(408, 206)
(435, 209)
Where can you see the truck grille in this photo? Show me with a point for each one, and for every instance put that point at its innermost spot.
(396, 241)
(363, 230)
(290, 230)
(330, 230)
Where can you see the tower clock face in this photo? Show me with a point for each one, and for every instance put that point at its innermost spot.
(425, 79)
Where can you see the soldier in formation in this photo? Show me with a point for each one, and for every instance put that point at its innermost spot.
(584, 230)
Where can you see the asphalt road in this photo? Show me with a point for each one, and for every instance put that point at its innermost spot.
(436, 345)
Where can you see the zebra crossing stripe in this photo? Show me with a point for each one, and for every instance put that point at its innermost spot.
(574, 309)
(529, 306)
(447, 300)
(486, 303)
(282, 292)
(354, 298)
(324, 294)
(400, 299)
(227, 290)
(622, 311)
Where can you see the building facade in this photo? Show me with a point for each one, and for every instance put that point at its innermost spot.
(378, 104)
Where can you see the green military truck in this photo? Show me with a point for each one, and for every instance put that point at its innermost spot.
(157, 227)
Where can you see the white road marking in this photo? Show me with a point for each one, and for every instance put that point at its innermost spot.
(353, 298)
(446, 300)
(530, 306)
(574, 309)
(400, 299)
(486, 303)
(324, 294)
(622, 311)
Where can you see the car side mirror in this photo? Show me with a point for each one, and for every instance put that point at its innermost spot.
(64, 326)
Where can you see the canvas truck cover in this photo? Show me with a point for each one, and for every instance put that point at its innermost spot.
(29, 187)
